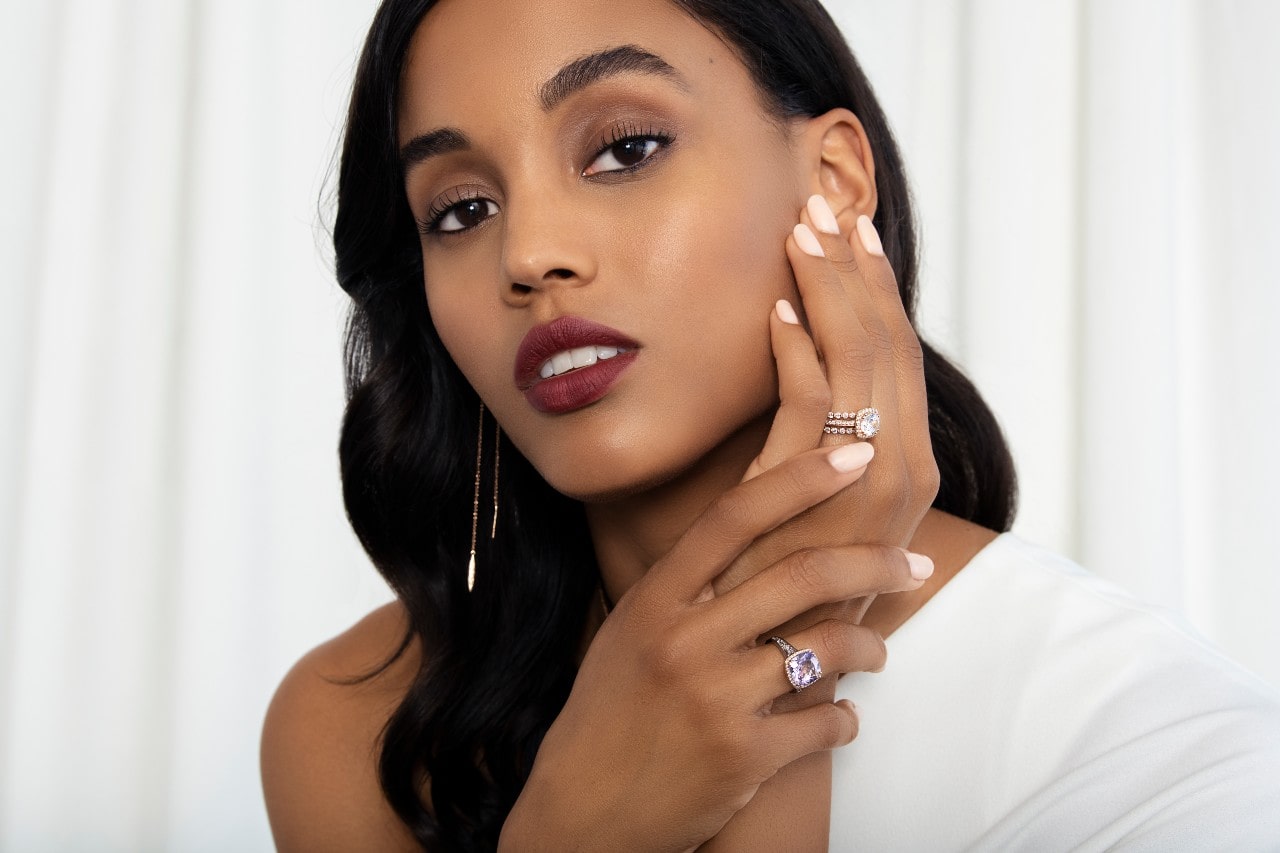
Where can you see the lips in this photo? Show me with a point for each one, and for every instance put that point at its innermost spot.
(571, 362)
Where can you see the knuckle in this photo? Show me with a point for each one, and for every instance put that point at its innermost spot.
(668, 653)
(926, 480)
(832, 726)
(906, 347)
(857, 357)
(892, 498)
(807, 572)
(896, 499)
(875, 652)
(813, 395)
(732, 514)
(846, 266)
(892, 567)
(877, 333)
(836, 639)
(797, 478)
(888, 286)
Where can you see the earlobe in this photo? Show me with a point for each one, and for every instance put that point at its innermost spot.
(844, 169)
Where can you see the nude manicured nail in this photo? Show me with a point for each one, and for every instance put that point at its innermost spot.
(807, 242)
(823, 218)
(786, 313)
(851, 457)
(870, 238)
(921, 566)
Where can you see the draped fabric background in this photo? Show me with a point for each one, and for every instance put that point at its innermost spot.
(1099, 194)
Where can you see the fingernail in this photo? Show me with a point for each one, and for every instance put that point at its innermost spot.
(823, 218)
(870, 239)
(807, 242)
(921, 566)
(786, 313)
(851, 457)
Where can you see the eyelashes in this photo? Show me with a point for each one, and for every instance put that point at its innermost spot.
(629, 146)
(459, 209)
(624, 150)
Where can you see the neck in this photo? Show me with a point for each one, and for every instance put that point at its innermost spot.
(632, 533)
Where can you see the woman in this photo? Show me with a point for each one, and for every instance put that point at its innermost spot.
(641, 435)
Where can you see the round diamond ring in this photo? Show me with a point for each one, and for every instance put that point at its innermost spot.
(864, 423)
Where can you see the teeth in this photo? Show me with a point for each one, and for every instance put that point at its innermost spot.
(563, 362)
(583, 356)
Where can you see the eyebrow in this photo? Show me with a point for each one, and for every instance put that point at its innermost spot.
(573, 77)
(583, 72)
(433, 144)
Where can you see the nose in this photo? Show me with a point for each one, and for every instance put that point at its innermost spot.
(546, 244)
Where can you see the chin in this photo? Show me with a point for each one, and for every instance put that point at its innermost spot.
(607, 490)
(603, 478)
(635, 466)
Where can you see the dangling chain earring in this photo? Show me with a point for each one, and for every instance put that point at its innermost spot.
(475, 495)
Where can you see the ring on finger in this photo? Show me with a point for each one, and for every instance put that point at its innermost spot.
(863, 424)
(801, 666)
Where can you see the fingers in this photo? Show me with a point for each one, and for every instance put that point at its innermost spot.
(749, 510)
(862, 349)
(804, 395)
(812, 577)
(907, 356)
(869, 351)
(799, 733)
(847, 334)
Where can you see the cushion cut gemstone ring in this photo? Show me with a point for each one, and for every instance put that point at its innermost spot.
(801, 665)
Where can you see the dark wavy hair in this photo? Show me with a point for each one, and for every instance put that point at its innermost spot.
(498, 662)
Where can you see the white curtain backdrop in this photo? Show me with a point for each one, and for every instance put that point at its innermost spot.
(1099, 194)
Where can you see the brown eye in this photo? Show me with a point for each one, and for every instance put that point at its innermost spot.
(631, 151)
(464, 215)
(625, 154)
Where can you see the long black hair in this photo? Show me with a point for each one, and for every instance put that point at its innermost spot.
(498, 662)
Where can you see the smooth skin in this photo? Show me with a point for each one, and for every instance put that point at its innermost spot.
(715, 509)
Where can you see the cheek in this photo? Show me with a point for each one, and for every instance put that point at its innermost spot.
(724, 235)
(462, 320)
(721, 263)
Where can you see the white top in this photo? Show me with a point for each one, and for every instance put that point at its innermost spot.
(1033, 706)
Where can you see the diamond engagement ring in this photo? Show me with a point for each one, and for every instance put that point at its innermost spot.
(864, 423)
(802, 666)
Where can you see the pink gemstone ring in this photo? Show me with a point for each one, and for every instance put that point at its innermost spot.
(801, 666)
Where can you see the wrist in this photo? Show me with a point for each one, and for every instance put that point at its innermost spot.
(543, 819)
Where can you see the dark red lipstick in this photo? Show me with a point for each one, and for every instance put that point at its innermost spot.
(579, 386)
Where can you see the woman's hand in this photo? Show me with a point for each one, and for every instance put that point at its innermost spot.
(863, 353)
(667, 732)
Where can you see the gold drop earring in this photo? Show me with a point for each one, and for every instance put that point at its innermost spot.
(475, 495)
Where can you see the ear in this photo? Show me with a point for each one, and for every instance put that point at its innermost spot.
(840, 165)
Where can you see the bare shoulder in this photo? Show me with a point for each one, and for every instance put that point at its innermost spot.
(321, 740)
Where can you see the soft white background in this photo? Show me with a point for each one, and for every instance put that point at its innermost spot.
(1099, 194)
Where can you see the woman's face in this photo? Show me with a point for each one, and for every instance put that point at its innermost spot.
(590, 176)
